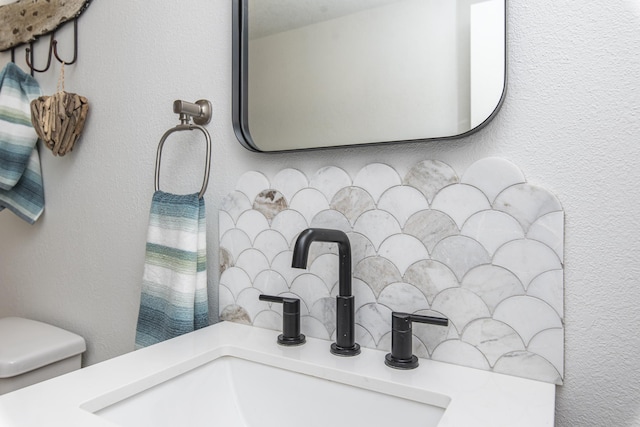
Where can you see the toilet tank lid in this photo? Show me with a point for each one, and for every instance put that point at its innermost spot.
(27, 344)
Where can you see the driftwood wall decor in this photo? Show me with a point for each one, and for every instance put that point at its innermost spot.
(25, 20)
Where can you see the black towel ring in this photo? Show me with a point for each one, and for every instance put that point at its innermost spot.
(201, 114)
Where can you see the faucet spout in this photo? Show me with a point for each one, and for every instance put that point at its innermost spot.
(345, 344)
(310, 235)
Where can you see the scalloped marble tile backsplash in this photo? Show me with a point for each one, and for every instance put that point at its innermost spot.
(484, 249)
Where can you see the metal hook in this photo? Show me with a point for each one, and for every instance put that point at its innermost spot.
(75, 45)
(29, 54)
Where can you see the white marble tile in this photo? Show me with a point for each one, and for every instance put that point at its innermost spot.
(352, 202)
(364, 338)
(270, 243)
(549, 229)
(225, 260)
(431, 277)
(309, 202)
(312, 327)
(270, 203)
(528, 365)
(252, 223)
(527, 315)
(324, 309)
(418, 348)
(235, 203)
(282, 264)
(377, 226)
(492, 229)
(248, 299)
(430, 226)
(526, 203)
(235, 313)
(225, 222)
(326, 267)
(331, 219)
(526, 259)
(310, 288)
(376, 178)
(549, 288)
(361, 291)
(289, 223)
(431, 335)
(403, 297)
(460, 353)
(460, 201)
(251, 184)
(289, 182)
(270, 282)
(493, 284)
(235, 280)
(460, 306)
(361, 247)
(377, 272)
(549, 344)
(492, 175)
(252, 262)
(375, 318)
(234, 242)
(403, 250)
(268, 319)
(493, 338)
(225, 298)
(430, 176)
(460, 254)
(318, 249)
(402, 201)
(329, 180)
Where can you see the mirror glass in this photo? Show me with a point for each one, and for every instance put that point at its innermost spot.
(326, 73)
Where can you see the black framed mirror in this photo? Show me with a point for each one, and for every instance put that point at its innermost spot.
(330, 73)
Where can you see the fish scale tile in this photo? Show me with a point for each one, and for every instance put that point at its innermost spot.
(483, 248)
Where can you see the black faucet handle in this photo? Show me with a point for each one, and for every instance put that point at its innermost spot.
(401, 356)
(290, 319)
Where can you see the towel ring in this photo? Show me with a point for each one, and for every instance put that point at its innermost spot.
(186, 110)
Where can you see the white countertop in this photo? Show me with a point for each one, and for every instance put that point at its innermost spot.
(477, 398)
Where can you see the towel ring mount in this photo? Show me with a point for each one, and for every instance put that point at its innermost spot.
(200, 112)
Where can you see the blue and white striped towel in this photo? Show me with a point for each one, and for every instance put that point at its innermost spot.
(174, 286)
(21, 188)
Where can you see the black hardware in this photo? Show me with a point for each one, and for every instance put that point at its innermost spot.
(290, 319)
(53, 50)
(345, 344)
(401, 356)
(28, 56)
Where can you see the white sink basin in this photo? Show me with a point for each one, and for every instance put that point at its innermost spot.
(234, 392)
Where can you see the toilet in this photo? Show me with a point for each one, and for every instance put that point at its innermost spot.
(32, 351)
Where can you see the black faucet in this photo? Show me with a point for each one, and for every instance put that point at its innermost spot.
(290, 319)
(401, 356)
(345, 344)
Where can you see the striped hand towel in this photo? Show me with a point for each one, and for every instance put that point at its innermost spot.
(21, 187)
(174, 285)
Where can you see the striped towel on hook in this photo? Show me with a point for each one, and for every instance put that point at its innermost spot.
(21, 188)
(174, 286)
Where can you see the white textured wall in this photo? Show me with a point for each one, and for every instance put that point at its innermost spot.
(570, 121)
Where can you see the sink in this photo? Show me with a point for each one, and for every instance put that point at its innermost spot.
(236, 392)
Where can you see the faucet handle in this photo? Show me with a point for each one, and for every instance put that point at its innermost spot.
(290, 319)
(401, 356)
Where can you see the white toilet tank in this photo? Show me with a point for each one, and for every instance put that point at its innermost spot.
(32, 351)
